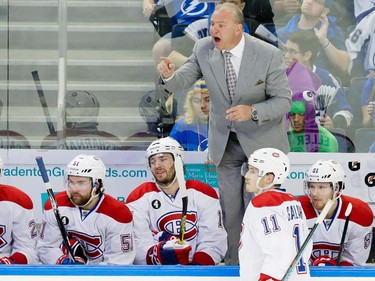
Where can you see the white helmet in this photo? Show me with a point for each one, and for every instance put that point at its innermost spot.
(270, 160)
(82, 109)
(326, 171)
(165, 145)
(88, 166)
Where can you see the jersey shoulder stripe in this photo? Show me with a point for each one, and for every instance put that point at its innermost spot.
(272, 199)
(62, 200)
(15, 195)
(202, 187)
(141, 190)
(115, 209)
(361, 212)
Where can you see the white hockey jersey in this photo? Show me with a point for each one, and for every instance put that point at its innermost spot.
(365, 30)
(154, 211)
(17, 226)
(361, 7)
(273, 230)
(106, 232)
(327, 238)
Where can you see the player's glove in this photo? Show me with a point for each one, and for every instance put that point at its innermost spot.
(324, 261)
(78, 253)
(163, 236)
(169, 252)
(6, 260)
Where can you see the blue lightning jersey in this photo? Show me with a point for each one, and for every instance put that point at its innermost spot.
(187, 11)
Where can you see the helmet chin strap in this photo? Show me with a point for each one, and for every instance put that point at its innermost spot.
(262, 189)
(93, 195)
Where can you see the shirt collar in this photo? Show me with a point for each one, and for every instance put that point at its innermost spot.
(238, 50)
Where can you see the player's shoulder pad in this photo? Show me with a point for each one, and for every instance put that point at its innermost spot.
(202, 187)
(141, 190)
(307, 206)
(271, 199)
(361, 211)
(115, 209)
(15, 195)
(62, 200)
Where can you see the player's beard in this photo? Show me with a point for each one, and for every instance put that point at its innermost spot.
(168, 179)
(78, 199)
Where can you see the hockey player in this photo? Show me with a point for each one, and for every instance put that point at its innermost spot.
(274, 225)
(100, 227)
(157, 208)
(323, 180)
(17, 226)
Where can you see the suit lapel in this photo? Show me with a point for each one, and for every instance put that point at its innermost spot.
(216, 62)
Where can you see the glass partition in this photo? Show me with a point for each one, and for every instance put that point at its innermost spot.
(111, 99)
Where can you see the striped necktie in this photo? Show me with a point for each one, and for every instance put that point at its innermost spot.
(230, 75)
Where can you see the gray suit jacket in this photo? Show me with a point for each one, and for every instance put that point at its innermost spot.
(262, 82)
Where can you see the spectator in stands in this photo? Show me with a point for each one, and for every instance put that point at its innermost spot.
(193, 31)
(363, 8)
(303, 46)
(367, 102)
(325, 180)
(305, 135)
(148, 7)
(314, 16)
(81, 132)
(12, 139)
(284, 10)
(157, 208)
(17, 226)
(100, 228)
(191, 131)
(181, 14)
(255, 12)
(361, 47)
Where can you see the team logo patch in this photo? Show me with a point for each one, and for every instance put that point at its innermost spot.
(156, 204)
(193, 7)
(91, 243)
(370, 179)
(3, 242)
(354, 166)
(171, 222)
(65, 220)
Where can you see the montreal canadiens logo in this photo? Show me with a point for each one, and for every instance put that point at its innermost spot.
(193, 7)
(171, 222)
